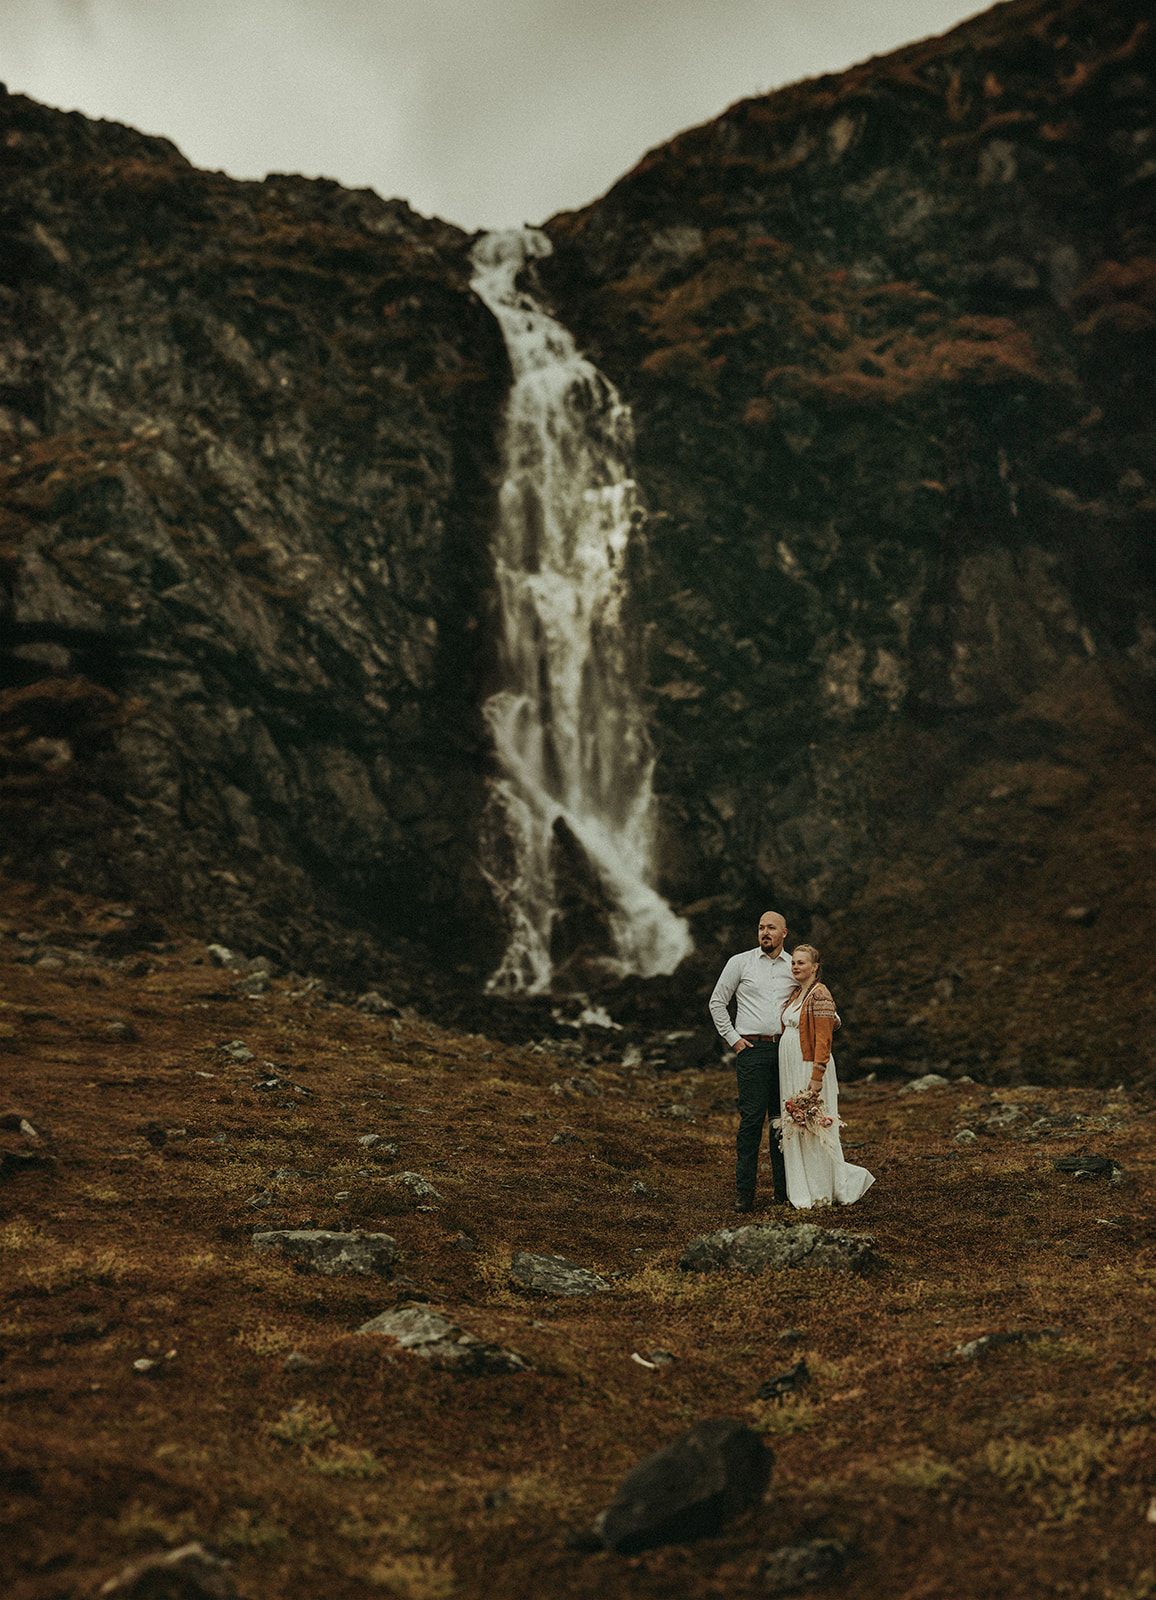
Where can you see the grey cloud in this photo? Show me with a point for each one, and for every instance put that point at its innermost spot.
(488, 112)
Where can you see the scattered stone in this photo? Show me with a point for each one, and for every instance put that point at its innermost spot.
(689, 1490)
(144, 1364)
(929, 1080)
(238, 1050)
(1086, 1166)
(1082, 916)
(13, 1162)
(370, 1141)
(465, 1241)
(577, 1087)
(966, 1136)
(271, 1085)
(377, 1005)
(678, 1113)
(417, 1186)
(803, 1566)
(363, 1254)
(566, 1137)
(974, 1348)
(662, 1358)
(1004, 1118)
(28, 1131)
(758, 1246)
(296, 1362)
(643, 1189)
(554, 1275)
(188, 1573)
(434, 1338)
(262, 1201)
(122, 1032)
(792, 1336)
(220, 955)
(790, 1382)
(252, 983)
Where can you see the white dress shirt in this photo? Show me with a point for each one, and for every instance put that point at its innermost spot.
(760, 984)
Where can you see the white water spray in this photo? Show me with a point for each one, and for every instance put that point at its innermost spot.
(568, 730)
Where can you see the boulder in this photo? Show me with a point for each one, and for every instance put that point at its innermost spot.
(554, 1275)
(188, 1573)
(803, 1566)
(929, 1080)
(758, 1246)
(420, 1188)
(688, 1490)
(434, 1338)
(335, 1254)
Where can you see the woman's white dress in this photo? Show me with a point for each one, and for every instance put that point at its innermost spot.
(817, 1174)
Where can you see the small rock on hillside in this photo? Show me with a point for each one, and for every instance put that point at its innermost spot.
(689, 1489)
(362, 1254)
(434, 1338)
(554, 1275)
(803, 1566)
(759, 1246)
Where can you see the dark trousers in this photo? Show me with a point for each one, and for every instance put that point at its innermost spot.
(757, 1070)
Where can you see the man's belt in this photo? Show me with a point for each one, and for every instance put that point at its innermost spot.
(760, 1038)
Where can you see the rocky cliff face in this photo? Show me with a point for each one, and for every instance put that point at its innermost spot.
(247, 486)
(889, 340)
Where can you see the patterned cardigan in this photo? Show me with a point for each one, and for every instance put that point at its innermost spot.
(817, 1025)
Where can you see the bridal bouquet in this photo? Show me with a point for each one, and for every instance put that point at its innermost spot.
(805, 1113)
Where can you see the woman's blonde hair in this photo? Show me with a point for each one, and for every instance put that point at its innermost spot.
(809, 949)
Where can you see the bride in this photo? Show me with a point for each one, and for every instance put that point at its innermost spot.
(816, 1171)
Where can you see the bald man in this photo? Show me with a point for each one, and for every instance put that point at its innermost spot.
(759, 981)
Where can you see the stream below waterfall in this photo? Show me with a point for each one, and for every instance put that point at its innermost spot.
(568, 729)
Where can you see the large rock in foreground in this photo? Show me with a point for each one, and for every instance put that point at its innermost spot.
(759, 1246)
(434, 1338)
(688, 1490)
(363, 1254)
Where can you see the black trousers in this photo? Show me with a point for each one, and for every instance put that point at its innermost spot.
(757, 1071)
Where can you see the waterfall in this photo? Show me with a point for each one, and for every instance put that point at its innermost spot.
(568, 730)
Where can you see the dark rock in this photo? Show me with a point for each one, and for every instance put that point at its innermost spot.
(554, 1275)
(1091, 1166)
(689, 1490)
(434, 1338)
(757, 1246)
(188, 1573)
(803, 1566)
(789, 1382)
(363, 1254)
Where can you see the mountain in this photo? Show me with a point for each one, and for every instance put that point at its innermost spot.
(888, 340)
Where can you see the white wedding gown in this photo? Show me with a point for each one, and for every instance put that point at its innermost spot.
(817, 1174)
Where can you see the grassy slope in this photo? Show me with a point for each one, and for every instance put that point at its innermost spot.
(1026, 1472)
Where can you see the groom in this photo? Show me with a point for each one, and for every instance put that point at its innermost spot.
(760, 982)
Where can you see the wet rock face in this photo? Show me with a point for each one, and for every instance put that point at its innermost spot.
(888, 338)
(247, 493)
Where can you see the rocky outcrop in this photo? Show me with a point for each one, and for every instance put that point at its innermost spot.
(889, 337)
(246, 496)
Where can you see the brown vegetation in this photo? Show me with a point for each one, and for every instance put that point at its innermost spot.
(1028, 1470)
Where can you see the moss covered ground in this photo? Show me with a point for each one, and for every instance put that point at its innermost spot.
(1027, 1471)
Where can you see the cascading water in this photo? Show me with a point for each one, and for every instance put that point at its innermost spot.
(568, 730)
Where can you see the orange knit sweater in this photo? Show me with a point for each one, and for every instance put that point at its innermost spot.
(817, 1025)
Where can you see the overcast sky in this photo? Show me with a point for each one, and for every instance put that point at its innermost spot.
(489, 113)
